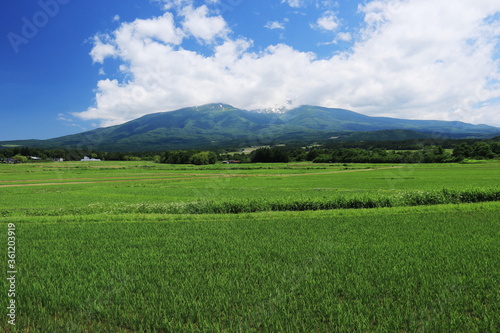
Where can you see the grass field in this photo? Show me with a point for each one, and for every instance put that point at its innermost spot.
(131, 247)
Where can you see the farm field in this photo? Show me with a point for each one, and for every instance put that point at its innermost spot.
(141, 187)
(144, 247)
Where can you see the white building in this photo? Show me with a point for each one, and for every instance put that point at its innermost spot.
(87, 159)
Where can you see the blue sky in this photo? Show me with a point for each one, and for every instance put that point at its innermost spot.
(68, 66)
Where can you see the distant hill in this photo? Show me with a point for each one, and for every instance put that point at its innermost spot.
(216, 125)
(384, 135)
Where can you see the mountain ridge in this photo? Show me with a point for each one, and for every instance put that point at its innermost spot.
(219, 124)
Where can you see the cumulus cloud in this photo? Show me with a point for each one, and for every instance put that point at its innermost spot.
(199, 24)
(328, 21)
(102, 49)
(421, 59)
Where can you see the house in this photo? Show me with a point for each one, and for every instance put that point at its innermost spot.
(58, 159)
(9, 160)
(87, 159)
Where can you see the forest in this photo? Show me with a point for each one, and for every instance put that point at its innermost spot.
(409, 151)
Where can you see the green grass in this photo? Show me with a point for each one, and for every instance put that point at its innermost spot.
(142, 247)
(410, 269)
(87, 186)
(237, 206)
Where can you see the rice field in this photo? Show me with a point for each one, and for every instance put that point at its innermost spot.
(143, 247)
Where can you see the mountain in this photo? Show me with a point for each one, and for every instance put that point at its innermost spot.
(216, 125)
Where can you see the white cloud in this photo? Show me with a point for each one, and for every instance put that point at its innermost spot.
(102, 49)
(422, 59)
(327, 4)
(328, 21)
(293, 3)
(129, 39)
(316, 3)
(175, 4)
(69, 120)
(274, 25)
(344, 36)
(200, 25)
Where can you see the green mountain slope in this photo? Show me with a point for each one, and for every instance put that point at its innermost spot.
(215, 125)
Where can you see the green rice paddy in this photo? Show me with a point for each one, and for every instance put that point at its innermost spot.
(143, 247)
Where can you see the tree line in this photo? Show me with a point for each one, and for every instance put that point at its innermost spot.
(428, 154)
(479, 150)
(25, 153)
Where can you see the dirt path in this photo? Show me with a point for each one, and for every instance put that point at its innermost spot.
(185, 177)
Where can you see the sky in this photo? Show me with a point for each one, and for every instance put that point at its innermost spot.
(68, 66)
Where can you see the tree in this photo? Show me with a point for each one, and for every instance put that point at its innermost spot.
(56, 153)
(178, 157)
(482, 150)
(21, 158)
(131, 158)
(270, 155)
(204, 158)
(462, 151)
(495, 147)
(323, 158)
(311, 155)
